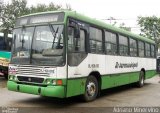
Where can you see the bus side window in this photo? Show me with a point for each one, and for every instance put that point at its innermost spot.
(111, 43)
(133, 47)
(70, 39)
(76, 44)
(152, 51)
(147, 49)
(82, 40)
(95, 40)
(141, 48)
(123, 45)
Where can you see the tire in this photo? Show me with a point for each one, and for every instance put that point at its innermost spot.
(91, 89)
(140, 83)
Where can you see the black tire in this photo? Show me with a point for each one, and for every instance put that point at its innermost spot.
(140, 83)
(91, 89)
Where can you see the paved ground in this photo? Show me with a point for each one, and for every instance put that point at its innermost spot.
(124, 96)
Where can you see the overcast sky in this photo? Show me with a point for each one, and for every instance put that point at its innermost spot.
(124, 10)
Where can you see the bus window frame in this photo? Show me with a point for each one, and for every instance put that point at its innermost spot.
(105, 42)
(123, 45)
(102, 41)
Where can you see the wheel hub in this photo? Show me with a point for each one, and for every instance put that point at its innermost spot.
(91, 89)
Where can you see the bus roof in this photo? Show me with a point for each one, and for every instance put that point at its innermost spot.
(95, 22)
(47, 12)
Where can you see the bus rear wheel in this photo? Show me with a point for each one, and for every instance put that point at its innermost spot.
(91, 89)
(140, 83)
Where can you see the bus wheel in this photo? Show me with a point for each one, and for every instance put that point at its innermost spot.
(140, 83)
(91, 89)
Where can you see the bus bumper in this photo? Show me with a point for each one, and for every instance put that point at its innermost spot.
(50, 91)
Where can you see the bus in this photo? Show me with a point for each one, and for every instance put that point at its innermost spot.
(5, 54)
(63, 54)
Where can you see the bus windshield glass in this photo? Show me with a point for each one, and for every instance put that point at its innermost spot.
(39, 45)
(5, 42)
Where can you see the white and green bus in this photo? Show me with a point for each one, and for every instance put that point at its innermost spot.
(63, 54)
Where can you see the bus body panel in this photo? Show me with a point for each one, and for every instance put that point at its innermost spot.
(108, 64)
(125, 64)
(51, 91)
(114, 71)
(75, 86)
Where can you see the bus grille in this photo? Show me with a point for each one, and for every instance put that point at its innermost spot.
(28, 70)
(30, 79)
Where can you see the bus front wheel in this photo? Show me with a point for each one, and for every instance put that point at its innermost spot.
(91, 89)
(140, 83)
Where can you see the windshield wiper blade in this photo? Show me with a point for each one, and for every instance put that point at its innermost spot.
(51, 28)
(54, 36)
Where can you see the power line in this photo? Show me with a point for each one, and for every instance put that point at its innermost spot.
(119, 19)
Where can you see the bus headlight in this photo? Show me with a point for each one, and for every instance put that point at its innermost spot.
(15, 78)
(11, 77)
(54, 82)
(48, 81)
(51, 81)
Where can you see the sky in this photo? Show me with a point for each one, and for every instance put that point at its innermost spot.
(125, 11)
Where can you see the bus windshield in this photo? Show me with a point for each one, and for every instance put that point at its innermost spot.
(39, 45)
(5, 42)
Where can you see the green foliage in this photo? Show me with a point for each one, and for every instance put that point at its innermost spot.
(122, 26)
(10, 11)
(43, 7)
(150, 28)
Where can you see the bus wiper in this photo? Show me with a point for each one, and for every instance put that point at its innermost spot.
(54, 32)
(51, 28)
(55, 37)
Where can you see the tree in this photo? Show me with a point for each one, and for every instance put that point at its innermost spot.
(123, 26)
(1, 3)
(10, 12)
(43, 7)
(150, 28)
